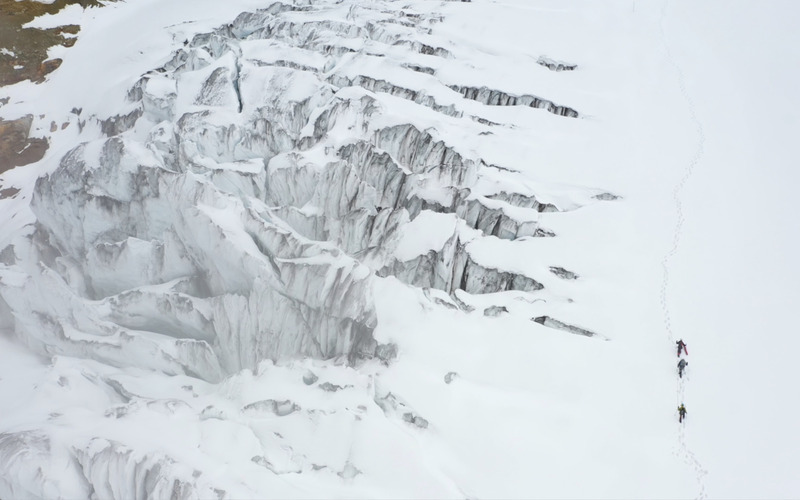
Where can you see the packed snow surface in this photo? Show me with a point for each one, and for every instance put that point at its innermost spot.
(404, 250)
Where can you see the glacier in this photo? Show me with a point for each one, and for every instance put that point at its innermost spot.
(242, 206)
(381, 249)
(238, 209)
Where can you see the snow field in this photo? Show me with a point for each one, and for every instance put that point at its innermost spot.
(528, 411)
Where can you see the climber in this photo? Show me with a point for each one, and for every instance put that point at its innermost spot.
(682, 366)
(681, 413)
(682, 345)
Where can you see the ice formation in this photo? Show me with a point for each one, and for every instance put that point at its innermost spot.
(238, 209)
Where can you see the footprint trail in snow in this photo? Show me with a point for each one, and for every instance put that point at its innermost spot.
(683, 451)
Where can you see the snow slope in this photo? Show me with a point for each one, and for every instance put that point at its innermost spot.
(732, 277)
(181, 281)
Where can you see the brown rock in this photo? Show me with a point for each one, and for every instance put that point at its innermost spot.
(46, 67)
(16, 148)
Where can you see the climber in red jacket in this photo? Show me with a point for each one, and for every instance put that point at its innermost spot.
(682, 345)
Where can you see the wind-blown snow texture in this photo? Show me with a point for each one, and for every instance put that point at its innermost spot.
(326, 249)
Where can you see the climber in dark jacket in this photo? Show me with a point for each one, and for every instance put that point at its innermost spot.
(681, 413)
(682, 346)
(682, 366)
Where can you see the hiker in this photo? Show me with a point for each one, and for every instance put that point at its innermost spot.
(682, 366)
(681, 413)
(682, 345)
